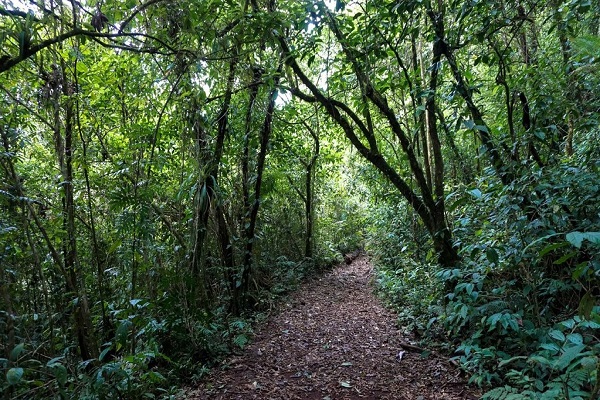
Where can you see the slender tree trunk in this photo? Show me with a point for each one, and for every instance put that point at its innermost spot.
(6, 303)
(7, 306)
(249, 232)
(253, 92)
(206, 195)
(571, 91)
(309, 203)
(68, 264)
(223, 236)
(202, 198)
(97, 257)
(432, 131)
(504, 172)
(248, 200)
(85, 330)
(426, 125)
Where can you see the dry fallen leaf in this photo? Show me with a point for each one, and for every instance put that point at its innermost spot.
(400, 355)
(296, 356)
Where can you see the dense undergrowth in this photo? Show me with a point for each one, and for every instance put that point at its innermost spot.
(157, 347)
(520, 312)
(169, 168)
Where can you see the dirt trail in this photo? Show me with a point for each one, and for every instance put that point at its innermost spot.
(333, 340)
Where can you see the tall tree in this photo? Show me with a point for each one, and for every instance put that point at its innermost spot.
(363, 131)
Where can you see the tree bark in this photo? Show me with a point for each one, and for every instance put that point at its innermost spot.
(504, 172)
(206, 195)
(309, 200)
(85, 331)
(249, 231)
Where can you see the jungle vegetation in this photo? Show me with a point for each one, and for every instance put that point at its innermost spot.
(169, 169)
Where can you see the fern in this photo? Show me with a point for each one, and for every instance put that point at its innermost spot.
(494, 307)
(518, 396)
(577, 379)
(554, 393)
(238, 324)
(241, 341)
(502, 393)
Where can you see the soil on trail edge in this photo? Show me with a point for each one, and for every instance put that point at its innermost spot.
(333, 340)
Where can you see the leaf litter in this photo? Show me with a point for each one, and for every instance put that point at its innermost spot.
(333, 339)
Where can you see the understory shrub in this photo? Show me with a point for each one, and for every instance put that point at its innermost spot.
(524, 307)
(521, 310)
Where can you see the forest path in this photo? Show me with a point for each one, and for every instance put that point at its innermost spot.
(333, 339)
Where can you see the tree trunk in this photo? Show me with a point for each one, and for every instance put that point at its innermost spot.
(7, 306)
(206, 191)
(430, 213)
(249, 231)
(309, 204)
(64, 151)
(85, 331)
(505, 174)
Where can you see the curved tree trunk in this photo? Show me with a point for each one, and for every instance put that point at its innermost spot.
(430, 211)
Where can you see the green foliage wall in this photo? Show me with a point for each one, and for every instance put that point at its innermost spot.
(167, 169)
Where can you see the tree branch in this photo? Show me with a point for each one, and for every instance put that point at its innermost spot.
(7, 62)
(17, 13)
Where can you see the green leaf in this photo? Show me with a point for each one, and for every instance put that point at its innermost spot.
(482, 128)
(104, 353)
(60, 372)
(493, 320)
(469, 124)
(575, 238)
(593, 237)
(552, 247)
(491, 255)
(123, 332)
(589, 363)
(464, 311)
(155, 377)
(568, 356)
(138, 303)
(568, 324)
(475, 193)
(16, 352)
(81, 67)
(504, 362)
(565, 258)
(553, 347)
(345, 384)
(14, 375)
(575, 338)
(240, 341)
(540, 135)
(540, 360)
(558, 335)
(581, 269)
(53, 361)
(586, 305)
